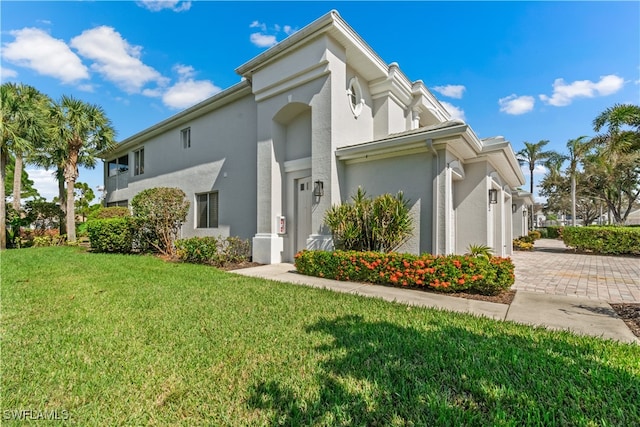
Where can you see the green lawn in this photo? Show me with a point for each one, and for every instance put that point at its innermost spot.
(132, 340)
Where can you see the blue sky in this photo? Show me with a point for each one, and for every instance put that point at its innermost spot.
(524, 70)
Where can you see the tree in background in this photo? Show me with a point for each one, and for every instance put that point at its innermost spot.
(23, 127)
(531, 155)
(614, 168)
(579, 149)
(81, 130)
(84, 196)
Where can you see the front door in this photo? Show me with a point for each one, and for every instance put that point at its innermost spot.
(303, 212)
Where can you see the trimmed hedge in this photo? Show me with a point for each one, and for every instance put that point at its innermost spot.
(603, 240)
(112, 234)
(554, 232)
(216, 251)
(488, 276)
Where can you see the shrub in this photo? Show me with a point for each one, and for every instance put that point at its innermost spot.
(521, 245)
(49, 237)
(479, 251)
(443, 273)
(110, 212)
(213, 251)
(603, 240)
(534, 235)
(111, 234)
(554, 232)
(380, 224)
(543, 233)
(159, 214)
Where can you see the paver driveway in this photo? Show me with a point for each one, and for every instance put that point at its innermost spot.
(553, 269)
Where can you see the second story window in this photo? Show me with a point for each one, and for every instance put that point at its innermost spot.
(118, 166)
(138, 162)
(185, 136)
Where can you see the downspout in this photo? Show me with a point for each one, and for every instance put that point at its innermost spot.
(435, 180)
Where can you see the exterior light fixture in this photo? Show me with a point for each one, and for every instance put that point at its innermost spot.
(514, 208)
(318, 188)
(524, 212)
(493, 196)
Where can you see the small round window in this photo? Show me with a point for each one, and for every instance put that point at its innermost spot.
(355, 96)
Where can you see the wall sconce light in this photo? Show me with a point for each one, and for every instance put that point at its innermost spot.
(318, 189)
(493, 196)
(524, 212)
(514, 208)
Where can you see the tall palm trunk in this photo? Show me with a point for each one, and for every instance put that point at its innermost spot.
(17, 182)
(62, 197)
(3, 202)
(70, 176)
(573, 200)
(531, 168)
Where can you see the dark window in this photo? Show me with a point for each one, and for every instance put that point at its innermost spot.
(118, 166)
(185, 135)
(122, 203)
(207, 210)
(138, 162)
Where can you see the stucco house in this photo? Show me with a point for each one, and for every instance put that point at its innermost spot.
(315, 117)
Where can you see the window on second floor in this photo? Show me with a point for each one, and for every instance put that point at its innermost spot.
(138, 162)
(119, 165)
(185, 136)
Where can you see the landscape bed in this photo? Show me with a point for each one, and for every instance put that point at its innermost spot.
(130, 340)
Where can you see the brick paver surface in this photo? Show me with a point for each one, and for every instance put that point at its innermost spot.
(553, 269)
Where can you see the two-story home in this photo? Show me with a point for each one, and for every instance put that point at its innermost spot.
(315, 117)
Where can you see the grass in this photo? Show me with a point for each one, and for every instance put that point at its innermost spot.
(132, 340)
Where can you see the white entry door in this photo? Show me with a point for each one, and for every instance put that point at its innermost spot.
(303, 212)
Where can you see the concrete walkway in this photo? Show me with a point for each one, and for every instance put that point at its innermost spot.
(582, 314)
(552, 269)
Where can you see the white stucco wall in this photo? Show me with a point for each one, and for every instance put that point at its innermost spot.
(222, 158)
(410, 174)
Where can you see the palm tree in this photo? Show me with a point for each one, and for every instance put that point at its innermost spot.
(616, 119)
(83, 130)
(23, 125)
(578, 150)
(530, 155)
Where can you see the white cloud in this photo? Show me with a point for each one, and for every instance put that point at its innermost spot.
(263, 40)
(516, 105)
(267, 37)
(158, 5)
(452, 91)
(456, 113)
(564, 93)
(7, 73)
(44, 182)
(187, 91)
(35, 49)
(258, 24)
(115, 59)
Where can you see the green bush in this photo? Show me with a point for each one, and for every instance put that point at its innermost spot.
(543, 233)
(603, 240)
(213, 251)
(450, 273)
(554, 232)
(110, 212)
(159, 214)
(534, 235)
(380, 224)
(111, 234)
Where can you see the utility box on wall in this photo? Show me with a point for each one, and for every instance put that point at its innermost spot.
(281, 224)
